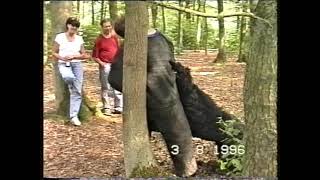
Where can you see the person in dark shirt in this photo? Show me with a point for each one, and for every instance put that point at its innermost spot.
(104, 50)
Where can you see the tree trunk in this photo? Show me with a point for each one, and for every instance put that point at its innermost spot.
(102, 10)
(238, 17)
(221, 57)
(260, 95)
(154, 12)
(113, 10)
(198, 26)
(194, 8)
(137, 149)
(242, 45)
(180, 30)
(83, 4)
(163, 20)
(206, 30)
(188, 16)
(60, 11)
(92, 12)
(78, 9)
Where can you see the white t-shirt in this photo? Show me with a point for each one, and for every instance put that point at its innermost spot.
(67, 48)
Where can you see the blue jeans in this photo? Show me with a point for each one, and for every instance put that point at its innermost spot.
(73, 77)
(111, 98)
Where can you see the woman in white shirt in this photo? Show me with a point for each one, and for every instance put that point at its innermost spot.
(69, 50)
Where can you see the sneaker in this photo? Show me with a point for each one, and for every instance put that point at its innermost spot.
(106, 112)
(75, 121)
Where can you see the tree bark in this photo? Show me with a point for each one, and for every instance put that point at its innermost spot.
(188, 16)
(60, 11)
(221, 57)
(154, 12)
(83, 4)
(92, 12)
(198, 26)
(206, 30)
(137, 150)
(102, 10)
(113, 9)
(163, 20)
(260, 95)
(193, 8)
(242, 45)
(180, 30)
(78, 9)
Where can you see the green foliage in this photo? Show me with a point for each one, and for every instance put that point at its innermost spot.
(231, 164)
(90, 33)
(232, 41)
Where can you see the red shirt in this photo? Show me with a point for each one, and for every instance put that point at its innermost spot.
(105, 48)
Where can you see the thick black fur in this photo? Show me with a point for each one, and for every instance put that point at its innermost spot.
(202, 112)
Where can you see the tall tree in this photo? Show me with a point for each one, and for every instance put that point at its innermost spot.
(238, 17)
(198, 26)
(154, 12)
(188, 4)
(113, 10)
(137, 150)
(193, 8)
(102, 10)
(243, 29)
(78, 9)
(83, 5)
(206, 30)
(163, 20)
(60, 11)
(221, 57)
(92, 12)
(180, 30)
(260, 95)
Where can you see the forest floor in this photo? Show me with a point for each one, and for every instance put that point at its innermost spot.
(95, 149)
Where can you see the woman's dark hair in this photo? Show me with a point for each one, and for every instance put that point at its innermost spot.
(73, 21)
(106, 20)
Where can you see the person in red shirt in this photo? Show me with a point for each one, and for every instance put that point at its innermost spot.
(104, 50)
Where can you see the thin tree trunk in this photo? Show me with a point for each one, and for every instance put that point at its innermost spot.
(113, 10)
(221, 57)
(137, 150)
(154, 12)
(260, 95)
(198, 26)
(193, 8)
(242, 44)
(180, 30)
(92, 12)
(163, 20)
(206, 30)
(102, 10)
(78, 9)
(83, 4)
(188, 16)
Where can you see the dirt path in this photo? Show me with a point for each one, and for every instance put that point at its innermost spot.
(95, 149)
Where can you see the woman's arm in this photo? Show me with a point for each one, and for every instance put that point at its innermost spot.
(55, 52)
